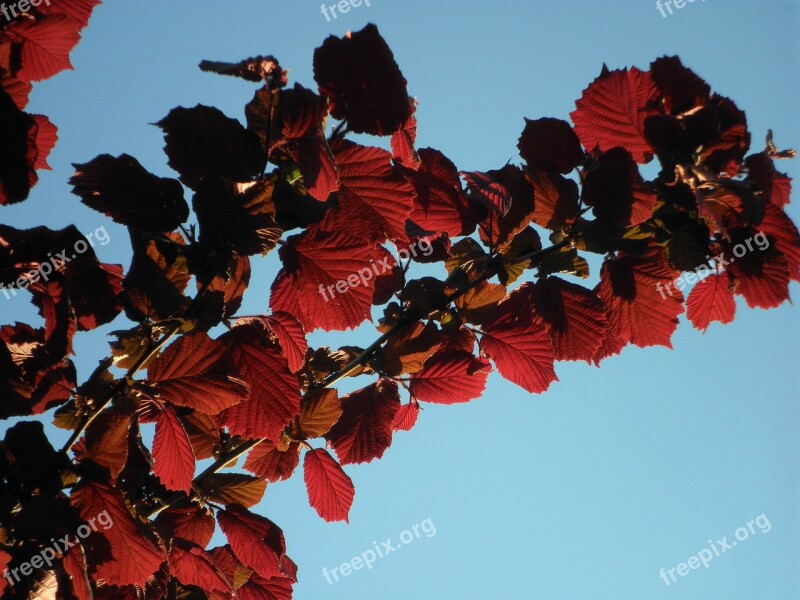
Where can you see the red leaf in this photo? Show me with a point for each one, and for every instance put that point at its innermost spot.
(374, 200)
(291, 337)
(270, 463)
(4, 560)
(258, 588)
(777, 224)
(406, 417)
(450, 377)
(485, 189)
(330, 490)
(134, 557)
(550, 145)
(612, 111)
(195, 566)
(360, 77)
(234, 488)
(274, 392)
(556, 202)
(439, 204)
(203, 434)
(777, 187)
(172, 452)
(763, 283)
(523, 354)
(315, 262)
(407, 350)
(194, 524)
(106, 441)
(577, 318)
(45, 45)
(504, 226)
(79, 10)
(638, 293)
(711, 300)
(194, 372)
(46, 138)
(403, 141)
(16, 88)
(255, 540)
(364, 431)
(74, 562)
(303, 114)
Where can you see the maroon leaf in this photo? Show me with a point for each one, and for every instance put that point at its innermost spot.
(194, 566)
(642, 303)
(195, 372)
(46, 138)
(274, 398)
(364, 431)
(556, 202)
(202, 141)
(18, 153)
(270, 463)
(681, 88)
(782, 230)
(616, 190)
(323, 270)
(439, 204)
(134, 558)
(124, 190)
(403, 141)
(291, 337)
(303, 114)
(194, 524)
(374, 200)
(361, 79)
(550, 145)
(237, 215)
(576, 316)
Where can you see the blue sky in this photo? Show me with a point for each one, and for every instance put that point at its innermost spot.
(584, 492)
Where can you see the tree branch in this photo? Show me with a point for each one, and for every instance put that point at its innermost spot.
(358, 361)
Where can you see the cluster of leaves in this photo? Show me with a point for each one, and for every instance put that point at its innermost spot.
(34, 45)
(259, 390)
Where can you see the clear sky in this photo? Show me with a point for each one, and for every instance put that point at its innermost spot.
(584, 492)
